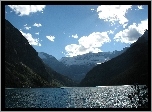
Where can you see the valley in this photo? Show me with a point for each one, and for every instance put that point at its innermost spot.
(25, 67)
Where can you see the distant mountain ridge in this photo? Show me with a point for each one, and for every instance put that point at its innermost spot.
(76, 67)
(126, 69)
(91, 58)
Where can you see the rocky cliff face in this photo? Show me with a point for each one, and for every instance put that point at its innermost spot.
(126, 69)
(23, 67)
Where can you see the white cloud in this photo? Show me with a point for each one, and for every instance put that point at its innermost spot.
(26, 9)
(76, 49)
(110, 32)
(93, 10)
(96, 39)
(51, 38)
(142, 26)
(37, 33)
(75, 36)
(124, 25)
(133, 32)
(25, 25)
(140, 7)
(91, 43)
(37, 25)
(27, 28)
(30, 39)
(113, 13)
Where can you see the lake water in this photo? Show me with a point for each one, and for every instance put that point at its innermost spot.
(74, 97)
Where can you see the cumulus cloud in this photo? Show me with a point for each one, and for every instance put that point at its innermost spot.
(142, 26)
(75, 36)
(23, 10)
(113, 13)
(132, 33)
(76, 49)
(37, 33)
(51, 38)
(30, 39)
(91, 43)
(37, 25)
(96, 39)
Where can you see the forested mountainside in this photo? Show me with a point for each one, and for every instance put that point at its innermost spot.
(23, 67)
(126, 69)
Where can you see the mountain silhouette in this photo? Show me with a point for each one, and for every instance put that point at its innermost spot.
(23, 67)
(126, 69)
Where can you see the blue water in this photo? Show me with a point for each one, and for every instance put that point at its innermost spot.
(74, 97)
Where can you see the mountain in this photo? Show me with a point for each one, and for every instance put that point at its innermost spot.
(23, 67)
(76, 67)
(91, 58)
(126, 69)
(52, 62)
(75, 72)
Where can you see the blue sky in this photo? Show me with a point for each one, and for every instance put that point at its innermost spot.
(70, 30)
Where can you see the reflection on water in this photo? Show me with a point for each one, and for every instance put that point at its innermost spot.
(76, 97)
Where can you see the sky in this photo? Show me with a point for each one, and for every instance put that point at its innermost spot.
(71, 30)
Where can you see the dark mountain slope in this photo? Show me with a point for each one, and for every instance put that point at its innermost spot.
(75, 72)
(23, 67)
(59, 80)
(76, 67)
(126, 69)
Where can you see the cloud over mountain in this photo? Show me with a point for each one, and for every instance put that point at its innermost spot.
(31, 40)
(132, 33)
(91, 43)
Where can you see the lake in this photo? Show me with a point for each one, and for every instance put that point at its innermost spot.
(72, 97)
